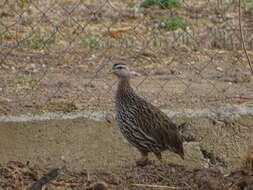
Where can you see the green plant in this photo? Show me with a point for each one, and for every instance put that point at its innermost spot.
(247, 1)
(148, 3)
(5, 37)
(90, 42)
(169, 3)
(131, 4)
(35, 40)
(23, 3)
(162, 3)
(173, 23)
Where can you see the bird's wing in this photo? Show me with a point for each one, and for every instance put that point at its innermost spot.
(157, 125)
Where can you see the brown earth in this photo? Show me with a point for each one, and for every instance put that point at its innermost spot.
(66, 73)
(16, 175)
(81, 147)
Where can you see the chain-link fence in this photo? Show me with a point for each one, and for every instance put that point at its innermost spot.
(195, 55)
(55, 55)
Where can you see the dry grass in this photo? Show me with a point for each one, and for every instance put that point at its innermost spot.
(55, 55)
(247, 162)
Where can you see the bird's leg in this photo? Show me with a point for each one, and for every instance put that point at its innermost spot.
(158, 156)
(143, 161)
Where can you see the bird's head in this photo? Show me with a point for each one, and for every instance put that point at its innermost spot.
(121, 70)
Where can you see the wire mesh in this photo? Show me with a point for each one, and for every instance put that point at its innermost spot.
(55, 55)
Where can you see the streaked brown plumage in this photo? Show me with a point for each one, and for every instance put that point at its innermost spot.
(142, 124)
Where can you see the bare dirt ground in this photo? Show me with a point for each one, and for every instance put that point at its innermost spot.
(84, 147)
(55, 57)
(68, 70)
(128, 177)
(68, 91)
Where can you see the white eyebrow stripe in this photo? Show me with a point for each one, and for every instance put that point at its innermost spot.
(123, 66)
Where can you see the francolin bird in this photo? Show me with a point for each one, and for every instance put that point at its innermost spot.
(142, 124)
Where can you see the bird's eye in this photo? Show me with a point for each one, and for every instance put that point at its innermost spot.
(119, 67)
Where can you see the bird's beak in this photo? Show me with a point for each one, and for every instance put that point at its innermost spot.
(111, 72)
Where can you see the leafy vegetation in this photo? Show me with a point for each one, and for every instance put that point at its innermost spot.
(90, 42)
(4, 35)
(148, 3)
(32, 40)
(23, 3)
(173, 23)
(131, 4)
(169, 4)
(162, 3)
(35, 40)
(247, 1)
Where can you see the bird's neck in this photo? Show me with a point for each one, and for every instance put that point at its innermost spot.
(124, 85)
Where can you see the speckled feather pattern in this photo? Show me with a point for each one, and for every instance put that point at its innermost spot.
(144, 125)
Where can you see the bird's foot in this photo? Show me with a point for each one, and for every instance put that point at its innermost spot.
(143, 162)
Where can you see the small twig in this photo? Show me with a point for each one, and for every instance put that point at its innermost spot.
(88, 180)
(156, 186)
(242, 38)
(45, 179)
